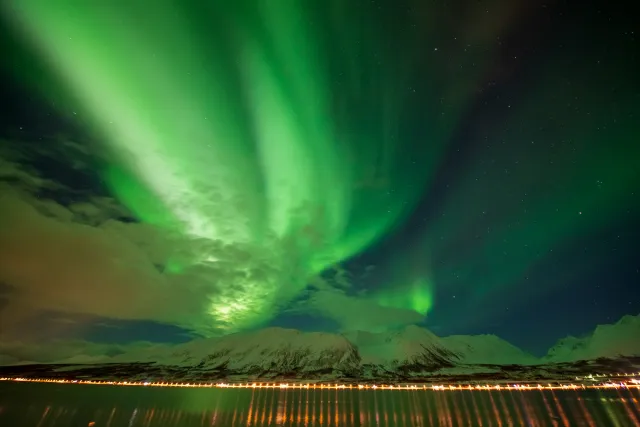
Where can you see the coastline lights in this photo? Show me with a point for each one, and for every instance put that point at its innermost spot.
(632, 384)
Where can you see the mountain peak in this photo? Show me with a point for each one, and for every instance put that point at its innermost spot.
(607, 340)
(412, 351)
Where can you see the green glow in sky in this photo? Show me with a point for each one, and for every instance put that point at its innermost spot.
(417, 296)
(225, 130)
(583, 184)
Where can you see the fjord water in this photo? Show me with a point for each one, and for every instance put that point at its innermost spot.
(41, 405)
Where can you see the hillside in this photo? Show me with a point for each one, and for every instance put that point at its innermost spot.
(487, 349)
(609, 341)
(411, 345)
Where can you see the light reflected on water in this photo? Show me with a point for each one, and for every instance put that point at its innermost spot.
(43, 405)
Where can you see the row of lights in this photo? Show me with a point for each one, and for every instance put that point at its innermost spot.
(633, 384)
(628, 374)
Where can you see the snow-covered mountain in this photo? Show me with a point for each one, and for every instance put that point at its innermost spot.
(277, 352)
(410, 354)
(270, 350)
(487, 350)
(409, 346)
(609, 341)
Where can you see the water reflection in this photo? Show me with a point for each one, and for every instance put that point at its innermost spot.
(44, 405)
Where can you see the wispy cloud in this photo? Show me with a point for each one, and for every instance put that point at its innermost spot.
(354, 312)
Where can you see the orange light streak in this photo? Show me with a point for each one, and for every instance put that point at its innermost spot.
(476, 410)
(585, 413)
(561, 412)
(628, 410)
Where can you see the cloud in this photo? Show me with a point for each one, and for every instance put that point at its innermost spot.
(18, 160)
(355, 313)
(70, 351)
(81, 253)
(98, 210)
(333, 296)
(14, 172)
(75, 250)
(53, 259)
(53, 264)
(81, 259)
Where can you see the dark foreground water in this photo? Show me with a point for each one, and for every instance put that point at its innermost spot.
(23, 405)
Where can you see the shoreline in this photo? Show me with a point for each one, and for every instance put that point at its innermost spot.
(511, 386)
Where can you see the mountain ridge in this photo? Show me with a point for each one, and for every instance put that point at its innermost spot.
(412, 345)
(410, 354)
(611, 340)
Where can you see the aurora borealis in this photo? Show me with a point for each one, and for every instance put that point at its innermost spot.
(330, 160)
(230, 140)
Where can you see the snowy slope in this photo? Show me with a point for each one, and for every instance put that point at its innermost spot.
(266, 350)
(613, 340)
(278, 351)
(288, 350)
(410, 353)
(411, 345)
(487, 349)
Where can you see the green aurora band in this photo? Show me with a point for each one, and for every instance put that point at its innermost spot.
(594, 128)
(227, 132)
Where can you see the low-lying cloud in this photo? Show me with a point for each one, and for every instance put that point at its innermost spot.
(355, 313)
(61, 265)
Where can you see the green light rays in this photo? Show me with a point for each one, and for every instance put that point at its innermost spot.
(417, 296)
(560, 191)
(225, 127)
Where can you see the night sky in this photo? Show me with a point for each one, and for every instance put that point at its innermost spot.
(170, 169)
